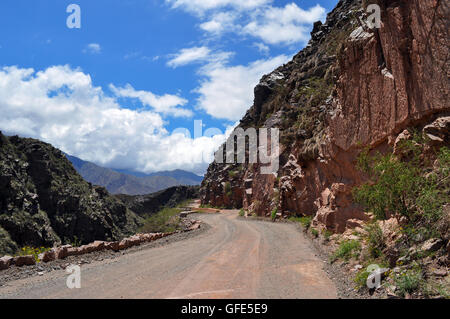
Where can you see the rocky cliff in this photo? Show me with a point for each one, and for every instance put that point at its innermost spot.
(350, 88)
(44, 201)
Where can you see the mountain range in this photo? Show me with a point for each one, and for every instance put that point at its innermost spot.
(129, 182)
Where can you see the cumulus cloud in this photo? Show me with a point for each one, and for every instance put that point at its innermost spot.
(93, 48)
(283, 25)
(258, 18)
(197, 55)
(200, 6)
(189, 55)
(166, 104)
(220, 23)
(262, 48)
(60, 105)
(227, 91)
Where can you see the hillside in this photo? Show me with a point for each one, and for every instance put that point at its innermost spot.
(349, 89)
(44, 201)
(131, 183)
(145, 205)
(364, 140)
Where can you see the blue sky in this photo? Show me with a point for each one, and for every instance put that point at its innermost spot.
(113, 91)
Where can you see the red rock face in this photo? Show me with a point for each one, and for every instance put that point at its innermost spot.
(395, 78)
(385, 81)
(390, 80)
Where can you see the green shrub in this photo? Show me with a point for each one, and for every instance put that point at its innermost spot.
(394, 182)
(232, 174)
(315, 232)
(327, 234)
(242, 212)
(165, 221)
(347, 249)
(361, 278)
(316, 90)
(306, 221)
(274, 213)
(76, 242)
(405, 188)
(409, 282)
(228, 191)
(375, 240)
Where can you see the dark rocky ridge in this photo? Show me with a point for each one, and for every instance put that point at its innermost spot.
(44, 201)
(145, 205)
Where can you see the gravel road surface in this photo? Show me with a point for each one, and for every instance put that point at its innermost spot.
(234, 258)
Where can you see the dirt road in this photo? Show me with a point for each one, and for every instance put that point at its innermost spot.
(236, 258)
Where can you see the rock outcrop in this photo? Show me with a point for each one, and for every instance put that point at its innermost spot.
(43, 200)
(351, 87)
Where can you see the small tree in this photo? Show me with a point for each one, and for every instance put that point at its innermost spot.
(405, 187)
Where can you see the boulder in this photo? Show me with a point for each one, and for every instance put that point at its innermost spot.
(440, 273)
(85, 249)
(47, 256)
(439, 131)
(28, 260)
(148, 237)
(401, 138)
(73, 251)
(98, 245)
(194, 227)
(124, 244)
(112, 245)
(61, 252)
(432, 245)
(5, 262)
(354, 223)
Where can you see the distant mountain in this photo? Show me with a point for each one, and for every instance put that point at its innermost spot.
(184, 177)
(132, 183)
(44, 201)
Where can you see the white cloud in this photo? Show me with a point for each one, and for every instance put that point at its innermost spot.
(166, 104)
(60, 105)
(198, 55)
(262, 48)
(93, 48)
(189, 55)
(227, 91)
(284, 25)
(200, 6)
(220, 23)
(257, 18)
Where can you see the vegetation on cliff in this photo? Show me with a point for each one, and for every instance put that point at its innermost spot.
(354, 88)
(44, 201)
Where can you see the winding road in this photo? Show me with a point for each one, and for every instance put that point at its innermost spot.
(235, 258)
